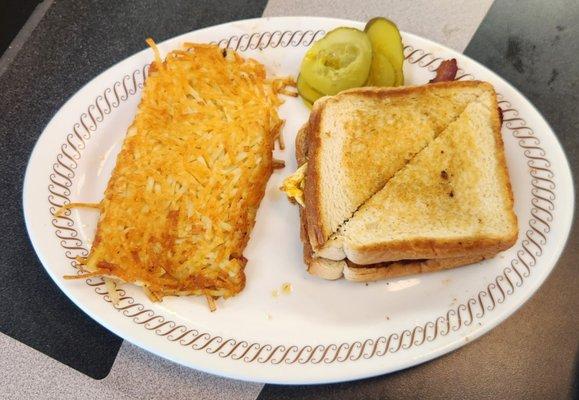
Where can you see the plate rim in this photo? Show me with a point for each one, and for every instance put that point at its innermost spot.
(488, 326)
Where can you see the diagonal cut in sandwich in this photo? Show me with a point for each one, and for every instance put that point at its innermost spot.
(396, 181)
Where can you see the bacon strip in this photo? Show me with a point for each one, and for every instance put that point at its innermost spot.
(446, 71)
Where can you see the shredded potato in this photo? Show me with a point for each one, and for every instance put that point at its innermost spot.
(183, 196)
(60, 212)
(112, 291)
(211, 303)
(278, 163)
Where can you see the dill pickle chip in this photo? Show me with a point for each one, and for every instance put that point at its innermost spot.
(307, 92)
(340, 60)
(382, 72)
(386, 42)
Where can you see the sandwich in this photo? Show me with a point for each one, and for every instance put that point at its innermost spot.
(182, 199)
(396, 181)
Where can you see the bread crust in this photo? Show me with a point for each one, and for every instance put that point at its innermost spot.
(382, 92)
(312, 193)
(427, 249)
(397, 269)
(302, 146)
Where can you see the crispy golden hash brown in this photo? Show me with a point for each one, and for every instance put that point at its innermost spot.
(183, 196)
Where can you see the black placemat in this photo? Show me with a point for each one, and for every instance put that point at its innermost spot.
(532, 44)
(74, 42)
(13, 15)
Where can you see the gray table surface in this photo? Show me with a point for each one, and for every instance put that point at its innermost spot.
(534, 354)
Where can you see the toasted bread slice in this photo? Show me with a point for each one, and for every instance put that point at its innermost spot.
(360, 138)
(453, 199)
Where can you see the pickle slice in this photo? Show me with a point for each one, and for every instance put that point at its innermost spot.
(382, 72)
(340, 60)
(307, 92)
(386, 41)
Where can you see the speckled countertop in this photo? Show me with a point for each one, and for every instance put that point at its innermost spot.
(50, 349)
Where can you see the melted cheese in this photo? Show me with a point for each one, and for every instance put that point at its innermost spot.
(293, 186)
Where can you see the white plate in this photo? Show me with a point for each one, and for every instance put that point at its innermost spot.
(323, 331)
